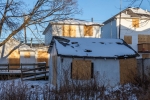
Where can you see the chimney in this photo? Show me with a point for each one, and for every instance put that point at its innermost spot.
(91, 19)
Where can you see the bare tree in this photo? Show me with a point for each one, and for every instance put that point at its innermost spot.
(15, 14)
(136, 3)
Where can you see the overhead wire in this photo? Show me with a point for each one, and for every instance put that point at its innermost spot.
(140, 3)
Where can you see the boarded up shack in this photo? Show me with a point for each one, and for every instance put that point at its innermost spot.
(111, 60)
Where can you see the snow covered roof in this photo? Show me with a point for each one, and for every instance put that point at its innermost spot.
(93, 47)
(130, 12)
(75, 22)
(139, 11)
(25, 47)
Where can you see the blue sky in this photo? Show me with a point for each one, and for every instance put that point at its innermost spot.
(102, 10)
(99, 10)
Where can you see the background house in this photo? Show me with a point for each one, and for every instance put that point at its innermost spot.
(111, 60)
(15, 52)
(72, 28)
(33, 54)
(134, 29)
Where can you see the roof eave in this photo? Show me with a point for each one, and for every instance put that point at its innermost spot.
(100, 57)
(75, 24)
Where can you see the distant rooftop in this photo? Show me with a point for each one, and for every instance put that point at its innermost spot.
(130, 12)
(75, 22)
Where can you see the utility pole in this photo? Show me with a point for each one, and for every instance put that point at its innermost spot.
(120, 19)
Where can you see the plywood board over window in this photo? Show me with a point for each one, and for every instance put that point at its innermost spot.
(128, 39)
(145, 55)
(135, 22)
(148, 38)
(14, 58)
(81, 69)
(143, 38)
(26, 54)
(42, 56)
(69, 30)
(72, 30)
(88, 30)
(128, 70)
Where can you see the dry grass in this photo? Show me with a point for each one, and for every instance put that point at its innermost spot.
(73, 90)
(89, 90)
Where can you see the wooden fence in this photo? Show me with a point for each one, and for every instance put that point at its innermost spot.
(36, 69)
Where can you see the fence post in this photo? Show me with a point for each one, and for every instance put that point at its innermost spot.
(45, 70)
(21, 73)
(8, 73)
(143, 78)
(34, 72)
(8, 67)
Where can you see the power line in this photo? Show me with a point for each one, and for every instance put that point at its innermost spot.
(140, 3)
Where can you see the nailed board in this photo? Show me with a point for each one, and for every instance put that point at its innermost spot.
(144, 47)
(14, 58)
(81, 69)
(26, 54)
(128, 70)
(66, 30)
(140, 47)
(143, 38)
(72, 30)
(148, 38)
(135, 22)
(69, 30)
(145, 55)
(42, 56)
(88, 30)
(128, 39)
(54, 61)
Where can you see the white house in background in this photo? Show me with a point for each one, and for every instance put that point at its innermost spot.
(134, 29)
(111, 60)
(72, 28)
(15, 52)
(35, 54)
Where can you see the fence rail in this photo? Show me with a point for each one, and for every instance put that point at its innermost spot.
(34, 70)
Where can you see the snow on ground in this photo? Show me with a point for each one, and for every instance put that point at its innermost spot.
(40, 85)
